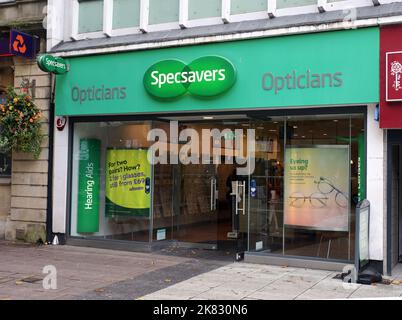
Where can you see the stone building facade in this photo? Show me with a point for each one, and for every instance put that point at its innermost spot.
(24, 189)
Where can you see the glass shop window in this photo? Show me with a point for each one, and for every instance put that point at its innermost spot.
(308, 185)
(111, 181)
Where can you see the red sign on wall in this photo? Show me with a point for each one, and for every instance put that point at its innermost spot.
(391, 77)
(394, 76)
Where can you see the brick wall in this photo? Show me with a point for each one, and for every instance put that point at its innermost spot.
(27, 220)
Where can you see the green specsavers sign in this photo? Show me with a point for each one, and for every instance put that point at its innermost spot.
(128, 183)
(204, 77)
(52, 64)
(320, 69)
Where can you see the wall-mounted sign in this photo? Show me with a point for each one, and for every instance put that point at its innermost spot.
(61, 123)
(52, 64)
(394, 76)
(292, 74)
(204, 77)
(390, 77)
(23, 44)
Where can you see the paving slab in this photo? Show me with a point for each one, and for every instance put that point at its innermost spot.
(169, 274)
(377, 291)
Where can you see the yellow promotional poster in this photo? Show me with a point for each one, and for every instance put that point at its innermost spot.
(128, 183)
(317, 187)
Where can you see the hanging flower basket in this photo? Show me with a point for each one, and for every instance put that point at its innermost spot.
(20, 128)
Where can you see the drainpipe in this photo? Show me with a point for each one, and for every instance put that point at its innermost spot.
(49, 212)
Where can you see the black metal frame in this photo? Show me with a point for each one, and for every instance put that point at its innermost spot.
(49, 211)
(394, 137)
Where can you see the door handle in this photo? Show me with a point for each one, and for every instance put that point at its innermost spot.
(242, 194)
(213, 194)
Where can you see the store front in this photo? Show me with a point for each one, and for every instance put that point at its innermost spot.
(391, 121)
(255, 145)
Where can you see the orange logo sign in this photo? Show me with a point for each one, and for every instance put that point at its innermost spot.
(19, 44)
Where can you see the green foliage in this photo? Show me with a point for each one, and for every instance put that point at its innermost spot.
(20, 127)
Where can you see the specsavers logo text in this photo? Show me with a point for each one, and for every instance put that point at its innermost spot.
(205, 77)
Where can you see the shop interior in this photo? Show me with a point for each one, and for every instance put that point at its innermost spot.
(207, 205)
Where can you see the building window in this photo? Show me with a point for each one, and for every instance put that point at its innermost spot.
(5, 165)
(5, 159)
(90, 16)
(163, 11)
(111, 181)
(204, 9)
(99, 18)
(241, 6)
(126, 14)
(284, 4)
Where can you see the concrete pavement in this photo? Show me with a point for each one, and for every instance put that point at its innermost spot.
(85, 272)
(242, 281)
(97, 274)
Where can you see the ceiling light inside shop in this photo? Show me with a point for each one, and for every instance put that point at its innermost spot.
(208, 118)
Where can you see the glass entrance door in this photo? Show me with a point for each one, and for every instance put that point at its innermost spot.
(196, 205)
(203, 204)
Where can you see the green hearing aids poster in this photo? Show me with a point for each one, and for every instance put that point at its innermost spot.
(128, 183)
(89, 181)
